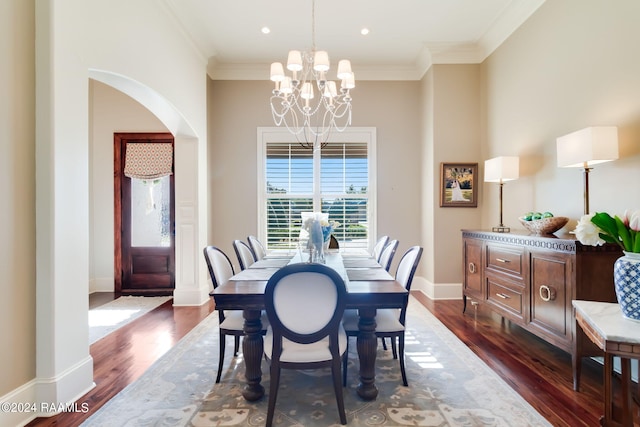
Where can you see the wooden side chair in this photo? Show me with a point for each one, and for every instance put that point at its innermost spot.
(305, 304)
(231, 322)
(390, 322)
(244, 254)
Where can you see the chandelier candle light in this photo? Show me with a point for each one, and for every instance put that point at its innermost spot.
(309, 116)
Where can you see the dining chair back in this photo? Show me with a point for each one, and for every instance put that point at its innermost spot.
(305, 304)
(377, 249)
(231, 322)
(390, 323)
(259, 252)
(386, 257)
(244, 254)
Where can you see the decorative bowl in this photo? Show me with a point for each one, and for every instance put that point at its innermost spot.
(545, 225)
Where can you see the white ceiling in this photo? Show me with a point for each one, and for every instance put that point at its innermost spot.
(406, 36)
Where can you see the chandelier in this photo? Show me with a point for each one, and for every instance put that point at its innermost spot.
(306, 102)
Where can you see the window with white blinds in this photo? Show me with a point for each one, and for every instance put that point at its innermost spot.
(336, 179)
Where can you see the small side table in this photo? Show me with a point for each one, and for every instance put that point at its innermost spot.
(616, 335)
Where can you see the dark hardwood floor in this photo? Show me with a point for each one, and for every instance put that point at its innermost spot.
(538, 371)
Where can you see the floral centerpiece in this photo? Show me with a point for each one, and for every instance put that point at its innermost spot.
(595, 230)
(327, 230)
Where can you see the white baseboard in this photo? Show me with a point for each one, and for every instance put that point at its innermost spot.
(190, 297)
(101, 284)
(440, 291)
(45, 397)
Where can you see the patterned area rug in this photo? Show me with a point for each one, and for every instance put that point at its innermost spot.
(115, 314)
(448, 386)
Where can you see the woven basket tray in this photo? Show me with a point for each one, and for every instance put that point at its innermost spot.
(545, 225)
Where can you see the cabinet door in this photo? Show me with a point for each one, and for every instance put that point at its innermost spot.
(551, 296)
(473, 268)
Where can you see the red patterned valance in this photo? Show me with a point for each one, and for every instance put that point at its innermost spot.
(148, 160)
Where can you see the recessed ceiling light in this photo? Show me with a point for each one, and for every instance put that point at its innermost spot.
(364, 31)
(265, 30)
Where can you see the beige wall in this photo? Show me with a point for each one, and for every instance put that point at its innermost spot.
(237, 108)
(456, 138)
(574, 64)
(17, 190)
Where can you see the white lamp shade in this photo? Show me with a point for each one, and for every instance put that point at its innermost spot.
(321, 61)
(348, 82)
(501, 169)
(277, 72)
(285, 86)
(307, 91)
(587, 147)
(294, 60)
(344, 69)
(330, 90)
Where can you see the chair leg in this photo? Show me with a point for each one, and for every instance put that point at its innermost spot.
(236, 345)
(394, 349)
(345, 359)
(401, 357)
(273, 392)
(384, 343)
(223, 339)
(337, 387)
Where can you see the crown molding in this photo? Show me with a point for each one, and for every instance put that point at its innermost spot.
(511, 18)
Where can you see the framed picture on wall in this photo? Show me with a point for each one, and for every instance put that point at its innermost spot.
(459, 185)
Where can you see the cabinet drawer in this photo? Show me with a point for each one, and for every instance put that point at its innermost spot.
(506, 258)
(507, 296)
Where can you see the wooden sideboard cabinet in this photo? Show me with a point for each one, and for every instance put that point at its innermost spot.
(531, 280)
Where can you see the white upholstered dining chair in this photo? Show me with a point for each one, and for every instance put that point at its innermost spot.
(244, 254)
(305, 304)
(259, 252)
(386, 257)
(390, 322)
(379, 246)
(231, 322)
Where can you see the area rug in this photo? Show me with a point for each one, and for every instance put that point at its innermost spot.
(115, 314)
(448, 386)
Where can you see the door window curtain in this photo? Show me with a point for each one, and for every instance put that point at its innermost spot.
(148, 161)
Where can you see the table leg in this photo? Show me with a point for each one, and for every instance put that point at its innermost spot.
(252, 349)
(627, 404)
(367, 346)
(608, 389)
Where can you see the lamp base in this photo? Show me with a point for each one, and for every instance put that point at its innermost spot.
(501, 229)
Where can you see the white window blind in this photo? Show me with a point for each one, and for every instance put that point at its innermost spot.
(335, 179)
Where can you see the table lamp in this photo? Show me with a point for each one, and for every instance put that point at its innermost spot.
(585, 148)
(500, 170)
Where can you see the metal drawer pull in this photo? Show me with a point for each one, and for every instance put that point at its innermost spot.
(502, 260)
(472, 268)
(503, 296)
(547, 293)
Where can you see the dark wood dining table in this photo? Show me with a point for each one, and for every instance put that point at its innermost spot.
(367, 291)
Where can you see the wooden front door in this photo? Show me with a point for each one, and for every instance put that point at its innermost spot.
(144, 234)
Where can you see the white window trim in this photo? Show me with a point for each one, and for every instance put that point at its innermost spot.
(267, 135)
